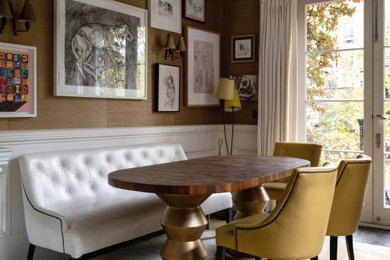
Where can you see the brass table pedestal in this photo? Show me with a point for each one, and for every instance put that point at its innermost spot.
(183, 222)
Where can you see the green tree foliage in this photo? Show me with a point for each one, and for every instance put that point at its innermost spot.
(333, 124)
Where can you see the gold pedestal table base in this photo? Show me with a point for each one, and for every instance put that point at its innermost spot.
(183, 222)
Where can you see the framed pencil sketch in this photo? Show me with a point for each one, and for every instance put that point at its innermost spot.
(100, 49)
(247, 86)
(203, 67)
(195, 9)
(18, 80)
(243, 48)
(165, 15)
(168, 88)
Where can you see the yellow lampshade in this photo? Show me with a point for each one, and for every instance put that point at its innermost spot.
(233, 105)
(170, 43)
(182, 45)
(225, 89)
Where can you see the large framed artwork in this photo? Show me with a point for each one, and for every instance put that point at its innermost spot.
(100, 49)
(243, 48)
(18, 80)
(165, 15)
(247, 86)
(195, 9)
(203, 67)
(168, 88)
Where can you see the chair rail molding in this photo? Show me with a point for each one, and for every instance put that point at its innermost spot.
(197, 141)
(5, 154)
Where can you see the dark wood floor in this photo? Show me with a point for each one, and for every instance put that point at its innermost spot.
(372, 236)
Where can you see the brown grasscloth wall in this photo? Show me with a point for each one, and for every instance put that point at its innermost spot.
(224, 16)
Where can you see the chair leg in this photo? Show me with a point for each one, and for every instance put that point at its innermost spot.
(257, 258)
(349, 241)
(314, 258)
(221, 251)
(228, 215)
(31, 250)
(333, 248)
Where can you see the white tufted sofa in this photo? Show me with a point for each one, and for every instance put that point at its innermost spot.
(70, 208)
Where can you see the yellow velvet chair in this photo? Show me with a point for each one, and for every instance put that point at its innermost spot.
(296, 229)
(310, 152)
(347, 205)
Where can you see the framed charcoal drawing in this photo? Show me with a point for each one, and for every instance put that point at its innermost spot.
(18, 80)
(247, 86)
(243, 48)
(195, 9)
(100, 49)
(203, 67)
(165, 15)
(168, 88)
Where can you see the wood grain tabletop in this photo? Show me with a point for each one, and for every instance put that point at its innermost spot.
(206, 175)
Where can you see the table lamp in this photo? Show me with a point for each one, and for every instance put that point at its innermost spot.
(225, 92)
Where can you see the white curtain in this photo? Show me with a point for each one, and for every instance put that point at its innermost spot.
(277, 74)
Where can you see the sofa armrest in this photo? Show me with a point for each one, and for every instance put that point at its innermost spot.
(45, 228)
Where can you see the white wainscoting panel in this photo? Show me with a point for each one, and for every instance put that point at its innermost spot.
(4, 216)
(197, 141)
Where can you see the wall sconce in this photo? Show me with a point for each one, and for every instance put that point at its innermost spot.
(171, 48)
(27, 15)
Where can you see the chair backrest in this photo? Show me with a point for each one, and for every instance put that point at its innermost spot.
(310, 152)
(347, 205)
(296, 228)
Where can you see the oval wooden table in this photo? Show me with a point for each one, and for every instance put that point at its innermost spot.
(184, 185)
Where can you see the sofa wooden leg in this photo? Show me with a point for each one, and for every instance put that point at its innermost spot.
(228, 215)
(31, 250)
(221, 251)
(349, 241)
(333, 248)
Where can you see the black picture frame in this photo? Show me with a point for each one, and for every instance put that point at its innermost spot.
(168, 81)
(243, 48)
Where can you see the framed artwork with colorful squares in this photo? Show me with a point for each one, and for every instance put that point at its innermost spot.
(18, 94)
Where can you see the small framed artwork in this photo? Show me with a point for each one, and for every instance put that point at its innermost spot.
(247, 86)
(195, 9)
(165, 15)
(168, 88)
(100, 49)
(203, 67)
(243, 48)
(18, 80)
